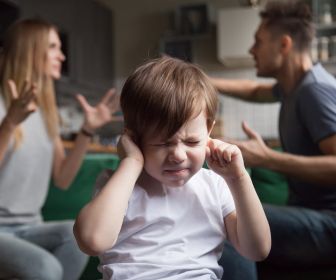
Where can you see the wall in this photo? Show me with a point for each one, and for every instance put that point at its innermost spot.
(138, 28)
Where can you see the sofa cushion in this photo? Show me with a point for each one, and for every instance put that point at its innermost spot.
(270, 186)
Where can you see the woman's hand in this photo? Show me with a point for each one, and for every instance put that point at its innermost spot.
(102, 113)
(22, 104)
(225, 159)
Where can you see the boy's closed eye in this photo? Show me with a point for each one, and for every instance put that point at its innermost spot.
(192, 142)
(188, 142)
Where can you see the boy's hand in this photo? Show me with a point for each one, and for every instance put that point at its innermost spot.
(128, 149)
(225, 159)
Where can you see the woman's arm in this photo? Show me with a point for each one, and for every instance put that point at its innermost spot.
(65, 167)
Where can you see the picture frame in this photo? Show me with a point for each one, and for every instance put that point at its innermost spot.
(192, 19)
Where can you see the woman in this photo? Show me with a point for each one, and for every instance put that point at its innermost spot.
(31, 152)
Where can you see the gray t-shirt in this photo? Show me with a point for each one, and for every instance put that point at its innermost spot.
(25, 172)
(307, 116)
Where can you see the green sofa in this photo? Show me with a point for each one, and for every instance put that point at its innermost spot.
(62, 205)
(270, 186)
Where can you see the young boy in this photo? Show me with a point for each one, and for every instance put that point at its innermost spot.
(160, 215)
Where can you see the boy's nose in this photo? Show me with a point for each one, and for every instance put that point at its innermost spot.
(177, 154)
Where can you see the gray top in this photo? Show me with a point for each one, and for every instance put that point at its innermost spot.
(307, 116)
(25, 172)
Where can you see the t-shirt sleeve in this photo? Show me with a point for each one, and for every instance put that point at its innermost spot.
(317, 110)
(227, 202)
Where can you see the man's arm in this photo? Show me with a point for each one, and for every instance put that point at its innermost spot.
(313, 169)
(248, 90)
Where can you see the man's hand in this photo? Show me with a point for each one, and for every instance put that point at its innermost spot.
(255, 152)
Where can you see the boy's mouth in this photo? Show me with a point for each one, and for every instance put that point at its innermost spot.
(176, 171)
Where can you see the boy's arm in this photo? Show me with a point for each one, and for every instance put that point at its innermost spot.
(247, 227)
(98, 224)
(248, 90)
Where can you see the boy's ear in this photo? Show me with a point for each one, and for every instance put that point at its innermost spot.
(211, 127)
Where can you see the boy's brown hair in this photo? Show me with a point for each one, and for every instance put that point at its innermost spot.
(163, 94)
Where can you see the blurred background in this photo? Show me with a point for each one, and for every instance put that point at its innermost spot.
(105, 40)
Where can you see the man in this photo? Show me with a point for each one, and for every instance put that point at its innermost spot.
(304, 232)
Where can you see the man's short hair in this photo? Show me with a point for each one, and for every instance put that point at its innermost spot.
(163, 94)
(290, 17)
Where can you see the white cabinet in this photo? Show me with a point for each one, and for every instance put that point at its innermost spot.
(235, 35)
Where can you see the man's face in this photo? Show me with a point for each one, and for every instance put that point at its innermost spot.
(174, 161)
(266, 52)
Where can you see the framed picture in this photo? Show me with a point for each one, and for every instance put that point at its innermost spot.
(192, 20)
(179, 48)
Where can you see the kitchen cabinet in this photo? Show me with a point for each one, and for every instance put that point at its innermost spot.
(235, 35)
(191, 25)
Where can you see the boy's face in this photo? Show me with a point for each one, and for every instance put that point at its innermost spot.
(174, 161)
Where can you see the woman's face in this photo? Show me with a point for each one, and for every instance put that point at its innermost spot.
(55, 56)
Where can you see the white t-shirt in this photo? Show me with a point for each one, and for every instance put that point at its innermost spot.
(171, 232)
